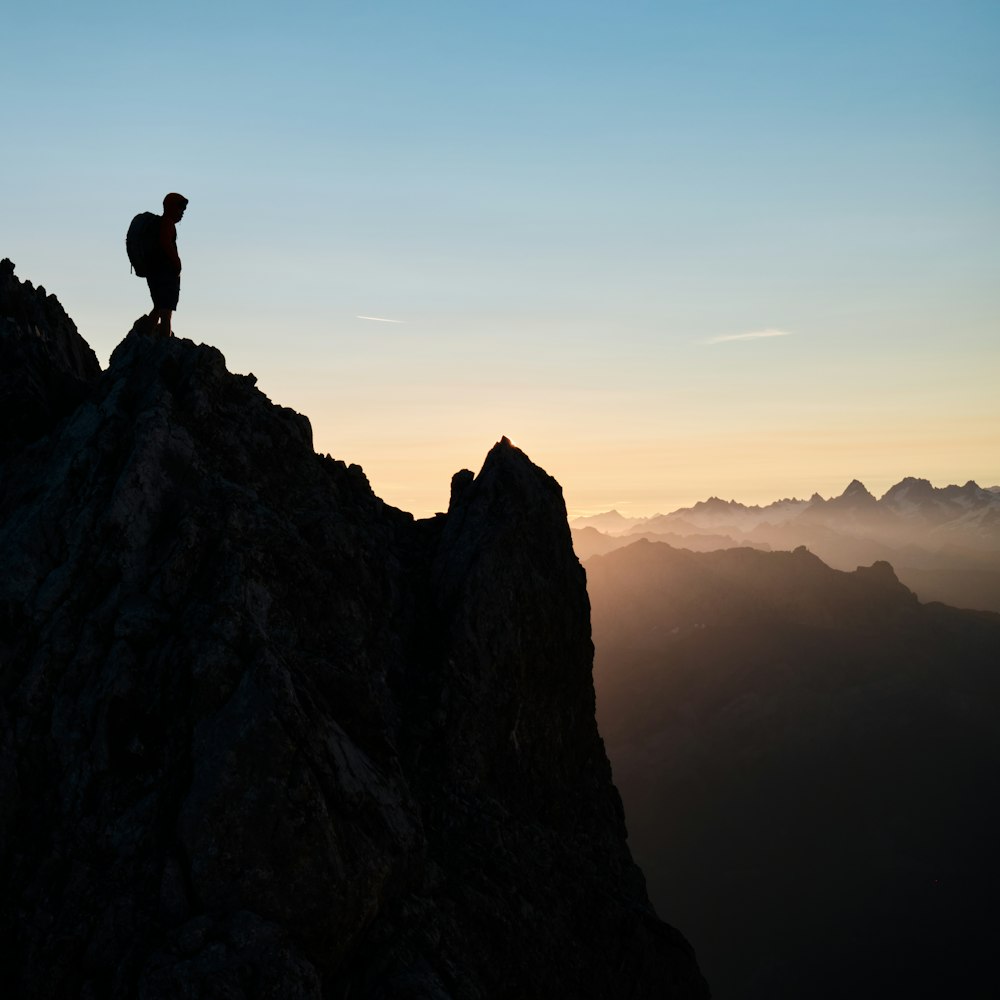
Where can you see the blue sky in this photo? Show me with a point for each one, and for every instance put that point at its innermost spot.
(566, 207)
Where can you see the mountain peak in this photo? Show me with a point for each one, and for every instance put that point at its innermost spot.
(610, 521)
(909, 485)
(857, 489)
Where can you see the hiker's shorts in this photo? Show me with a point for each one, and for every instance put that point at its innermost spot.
(165, 290)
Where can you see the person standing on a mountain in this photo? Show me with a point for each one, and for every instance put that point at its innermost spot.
(164, 275)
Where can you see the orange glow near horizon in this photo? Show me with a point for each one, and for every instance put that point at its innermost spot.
(650, 477)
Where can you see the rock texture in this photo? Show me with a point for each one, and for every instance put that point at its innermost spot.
(265, 736)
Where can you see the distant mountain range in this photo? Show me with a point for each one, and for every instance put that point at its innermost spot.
(944, 542)
(808, 762)
(969, 509)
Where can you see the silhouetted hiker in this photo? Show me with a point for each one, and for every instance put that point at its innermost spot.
(163, 275)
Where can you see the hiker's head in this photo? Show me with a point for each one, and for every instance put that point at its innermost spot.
(174, 205)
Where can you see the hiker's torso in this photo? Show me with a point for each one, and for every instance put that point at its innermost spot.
(165, 258)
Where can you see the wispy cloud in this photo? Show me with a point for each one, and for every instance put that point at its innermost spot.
(753, 335)
(379, 319)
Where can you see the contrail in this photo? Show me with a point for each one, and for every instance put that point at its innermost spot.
(755, 335)
(380, 319)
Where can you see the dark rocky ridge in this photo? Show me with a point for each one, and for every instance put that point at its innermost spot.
(266, 736)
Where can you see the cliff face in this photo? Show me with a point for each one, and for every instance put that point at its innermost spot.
(265, 736)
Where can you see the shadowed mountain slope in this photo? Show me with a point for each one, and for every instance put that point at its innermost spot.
(265, 736)
(808, 761)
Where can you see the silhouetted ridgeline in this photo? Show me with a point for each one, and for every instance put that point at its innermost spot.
(265, 736)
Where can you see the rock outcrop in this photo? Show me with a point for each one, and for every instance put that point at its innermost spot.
(264, 735)
(47, 365)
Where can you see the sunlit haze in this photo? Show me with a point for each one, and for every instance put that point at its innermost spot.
(670, 249)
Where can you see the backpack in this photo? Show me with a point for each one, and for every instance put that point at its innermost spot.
(142, 241)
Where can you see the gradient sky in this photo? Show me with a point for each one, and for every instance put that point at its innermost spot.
(582, 217)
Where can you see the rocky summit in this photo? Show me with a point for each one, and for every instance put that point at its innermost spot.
(266, 736)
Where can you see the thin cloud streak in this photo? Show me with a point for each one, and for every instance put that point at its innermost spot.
(380, 319)
(754, 335)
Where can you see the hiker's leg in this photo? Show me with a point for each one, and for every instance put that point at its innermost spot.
(167, 314)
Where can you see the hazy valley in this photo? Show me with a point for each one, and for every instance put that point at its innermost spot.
(808, 763)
